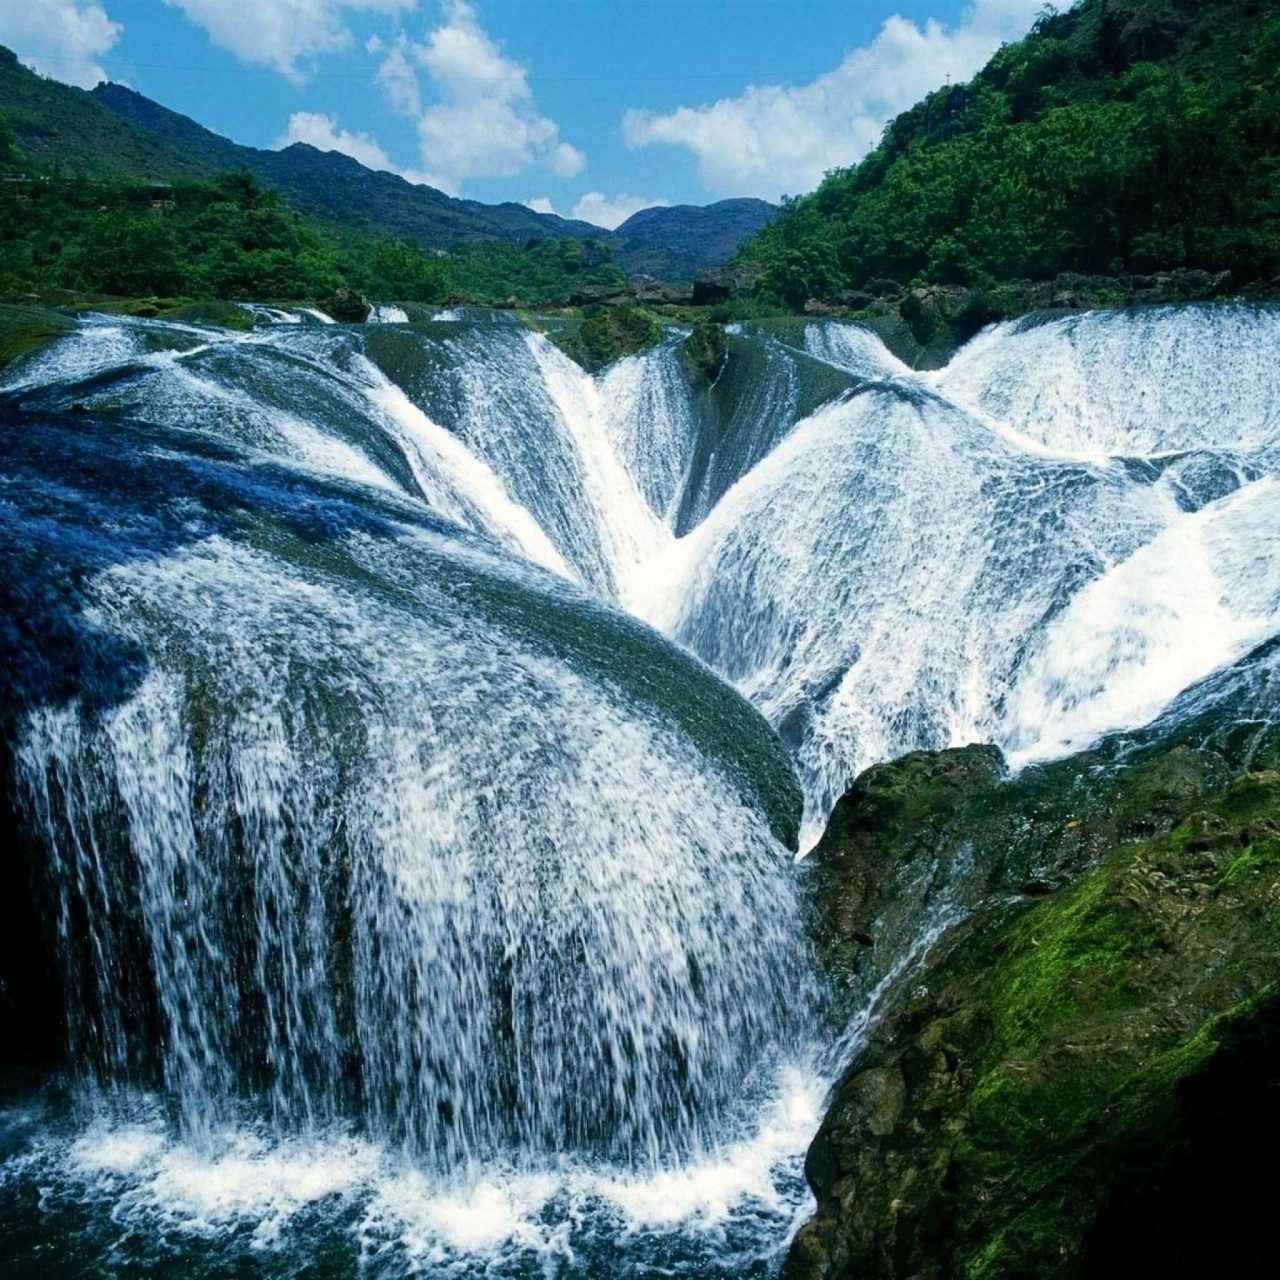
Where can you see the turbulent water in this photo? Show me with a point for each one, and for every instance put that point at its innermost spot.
(415, 906)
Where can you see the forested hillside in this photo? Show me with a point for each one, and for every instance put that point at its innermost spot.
(1121, 136)
(117, 136)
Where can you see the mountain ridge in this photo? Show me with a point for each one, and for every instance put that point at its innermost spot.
(114, 133)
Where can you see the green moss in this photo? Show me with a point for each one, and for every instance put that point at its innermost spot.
(227, 315)
(1047, 1054)
(609, 334)
(24, 329)
(707, 348)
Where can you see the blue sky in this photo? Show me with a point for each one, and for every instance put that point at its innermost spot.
(592, 108)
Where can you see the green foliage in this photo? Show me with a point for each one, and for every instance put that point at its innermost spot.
(541, 270)
(708, 348)
(1087, 147)
(23, 329)
(228, 238)
(609, 333)
(11, 156)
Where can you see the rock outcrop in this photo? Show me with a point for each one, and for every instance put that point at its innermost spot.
(1068, 1084)
(346, 307)
(707, 349)
(24, 329)
(608, 334)
(637, 289)
(721, 284)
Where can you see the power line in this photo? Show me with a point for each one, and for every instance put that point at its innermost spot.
(738, 77)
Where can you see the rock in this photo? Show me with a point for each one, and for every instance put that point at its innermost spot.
(346, 306)
(24, 329)
(608, 335)
(856, 300)
(225, 314)
(707, 348)
(594, 295)
(1031, 1098)
(644, 288)
(721, 284)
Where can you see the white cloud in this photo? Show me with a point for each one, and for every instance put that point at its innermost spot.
(567, 160)
(321, 131)
(774, 139)
(62, 39)
(278, 33)
(539, 204)
(596, 209)
(482, 121)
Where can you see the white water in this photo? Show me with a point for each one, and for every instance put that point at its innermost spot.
(885, 575)
(1050, 540)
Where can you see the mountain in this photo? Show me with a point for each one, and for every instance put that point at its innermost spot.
(674, 242)
(114, 133)
(63, 128)
(338, 187)
(1122, 136)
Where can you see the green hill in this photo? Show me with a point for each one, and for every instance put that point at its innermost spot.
(672, 243)
(63, 129)
(113, 134)
(337, 187)
(1122, 136)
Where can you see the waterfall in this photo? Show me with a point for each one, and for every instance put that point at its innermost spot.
(405, 727)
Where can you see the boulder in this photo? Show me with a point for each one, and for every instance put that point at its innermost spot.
(720, 284)
(595, 295)
(644, 288)
(707, 348)
(1065, 1085)
(346, 307)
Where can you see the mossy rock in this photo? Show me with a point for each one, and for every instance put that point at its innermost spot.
(707, 349)
(226, 315)
(608, 334)
(1032, 1093)
(25, 329)
(346, 306)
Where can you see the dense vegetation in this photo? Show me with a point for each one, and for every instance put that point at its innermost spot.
(227, 238)
(230, 238)
(607, 334)
(1122, 136)
(541, 270)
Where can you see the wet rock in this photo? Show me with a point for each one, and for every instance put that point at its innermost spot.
(721, 284)
(346, 307)
(1025, 1102)
(707, 348)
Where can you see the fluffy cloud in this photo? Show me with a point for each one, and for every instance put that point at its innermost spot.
(481, 121)
(596, 209)
(280, 33)
(539, 204)
(62, 39)
(567, 160)
(774, 139)
(321, 131)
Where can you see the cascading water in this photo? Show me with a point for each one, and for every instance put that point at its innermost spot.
(412, 904)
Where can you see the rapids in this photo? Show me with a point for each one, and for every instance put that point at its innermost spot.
(418, 884)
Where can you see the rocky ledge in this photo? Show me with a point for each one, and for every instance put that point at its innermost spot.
(925, 325)
(1081, 1077)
